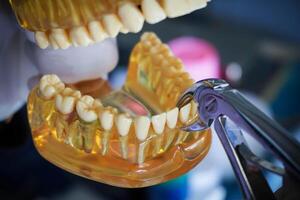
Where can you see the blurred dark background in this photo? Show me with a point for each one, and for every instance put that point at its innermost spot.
(258, 45)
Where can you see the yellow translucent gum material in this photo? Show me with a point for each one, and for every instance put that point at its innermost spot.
(127, 138)
(62, 23)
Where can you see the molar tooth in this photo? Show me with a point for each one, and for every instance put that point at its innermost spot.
(50, 85)
(65, 102)
(172, 117)
(60, 37)
(97, 32)
(80, 36)
(112, 24)
(175, 8)
(123, 123)
(41, 39)
(131, 17)
(141, 125)
(184, 113)
(86, 108)
(152, 11)
(158, 122)
(196, 4)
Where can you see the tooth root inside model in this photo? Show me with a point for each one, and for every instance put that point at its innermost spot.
(136, 128)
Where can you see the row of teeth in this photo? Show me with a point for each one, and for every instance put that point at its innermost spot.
(129, 18)
(89, 110)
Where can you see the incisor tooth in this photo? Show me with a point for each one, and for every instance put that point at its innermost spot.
(53, 43)
(97, 32)
(41, 39)
(106, 119)
(131, 17)
(86, 108)
(123, 123)
(175, 8)
(152, 11)
(184, 113)
(60, 37)
(141, 125)
(65, 101)
(172, 117)
(80, 36)
(112, 24)
(50, 85)
(158, 122)
(196, 4)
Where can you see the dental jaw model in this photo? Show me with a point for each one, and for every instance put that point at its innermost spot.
(126, 138)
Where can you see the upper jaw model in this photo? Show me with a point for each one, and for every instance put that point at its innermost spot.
(62, 23)
(127, 138)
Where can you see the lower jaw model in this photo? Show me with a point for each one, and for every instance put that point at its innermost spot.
(129, 137)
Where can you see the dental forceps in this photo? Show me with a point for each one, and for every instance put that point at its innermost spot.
(228, 112)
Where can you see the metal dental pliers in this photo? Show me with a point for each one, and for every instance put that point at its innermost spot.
(225, 108)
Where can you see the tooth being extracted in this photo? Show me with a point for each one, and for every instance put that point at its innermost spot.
(129, 137)
(61, 23)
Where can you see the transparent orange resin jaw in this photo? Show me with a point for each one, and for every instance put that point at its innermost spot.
(127, 138)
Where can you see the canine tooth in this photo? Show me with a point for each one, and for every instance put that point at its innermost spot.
(60, 37)
(86, 108)
(106, 120)
(80, 36)
(131, 17)
(50, 85)
(184, 113)
(152, 11)
(123, 123)
(141, 125)
(196, 4)
(41, 39)
(112, 24)
(97, 32)
(158, 122)
(172, 117)
(65, 102)
(175, 8)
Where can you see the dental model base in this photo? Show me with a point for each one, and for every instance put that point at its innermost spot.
(229, 112)
(126, 138)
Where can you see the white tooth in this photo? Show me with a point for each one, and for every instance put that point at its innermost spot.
(158, 122)
(50, 85)
(106, 119)
(86, 108)
(184, 113)
(175, 8)
(53, 43)
(97, 32)
(172, 117)
(131, 17)
(152, 11)
(124, 30)
(141, 125)
(123, 123)
(65, 102)
(80, 36)
(112, 24)
(196, 4)
(60, 37)
(41, 39)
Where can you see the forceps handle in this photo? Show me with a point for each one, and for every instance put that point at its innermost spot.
(264, 129)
